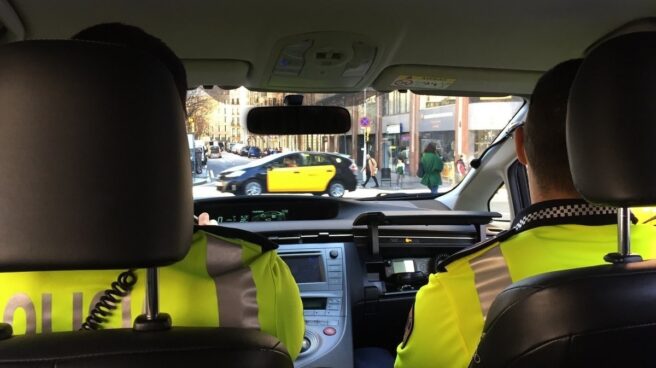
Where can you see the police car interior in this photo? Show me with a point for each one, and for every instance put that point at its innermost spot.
(400, 69)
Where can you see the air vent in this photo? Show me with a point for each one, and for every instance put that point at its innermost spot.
(310, 237)
(399, 238)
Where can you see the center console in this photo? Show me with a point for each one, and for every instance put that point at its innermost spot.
(320, 271)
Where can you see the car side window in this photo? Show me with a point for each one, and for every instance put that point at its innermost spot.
(305, 159)
(292, 161)
(277, 163)
(500, 202)
(318, 160)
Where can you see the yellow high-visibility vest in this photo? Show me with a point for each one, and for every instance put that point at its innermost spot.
(446, 322)
(222, 281)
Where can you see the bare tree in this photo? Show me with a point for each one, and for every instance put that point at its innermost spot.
(199, 107)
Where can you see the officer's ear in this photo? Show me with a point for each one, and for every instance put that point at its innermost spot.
(519, 146)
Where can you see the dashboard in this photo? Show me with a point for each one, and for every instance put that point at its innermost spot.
(263, 209)
(358, 264)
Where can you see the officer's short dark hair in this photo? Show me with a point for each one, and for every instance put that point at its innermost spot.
(137, 38)
(544, 129)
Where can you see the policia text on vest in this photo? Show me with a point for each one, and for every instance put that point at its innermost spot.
(232, 280)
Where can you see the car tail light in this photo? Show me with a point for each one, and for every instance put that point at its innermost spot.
(354, 168)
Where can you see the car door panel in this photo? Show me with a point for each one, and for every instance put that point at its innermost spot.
(284, 179)
(320, 177)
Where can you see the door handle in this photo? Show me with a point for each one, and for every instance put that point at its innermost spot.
(329, 171)
(297, 172)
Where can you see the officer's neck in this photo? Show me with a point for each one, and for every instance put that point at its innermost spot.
(543, 197)
(540, 194)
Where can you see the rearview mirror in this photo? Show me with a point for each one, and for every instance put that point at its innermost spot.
(295, 120)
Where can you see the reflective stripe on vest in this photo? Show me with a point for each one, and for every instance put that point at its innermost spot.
(491, 276)
(235, 288)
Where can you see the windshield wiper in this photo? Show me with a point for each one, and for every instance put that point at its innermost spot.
(400, 196)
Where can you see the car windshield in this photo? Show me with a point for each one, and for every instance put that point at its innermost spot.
(399, 142)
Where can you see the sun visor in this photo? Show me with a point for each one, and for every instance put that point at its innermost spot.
(224, 73)
(452, 81)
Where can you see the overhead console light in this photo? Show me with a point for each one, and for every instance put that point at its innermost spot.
(363, 58)
(322, 61)
(292, 58)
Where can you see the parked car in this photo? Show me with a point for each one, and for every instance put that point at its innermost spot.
(297, 172)
(215, 152)
(254, 151)
(236, 148)
(243, 151)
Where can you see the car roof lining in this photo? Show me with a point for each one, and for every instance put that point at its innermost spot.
(515, 38)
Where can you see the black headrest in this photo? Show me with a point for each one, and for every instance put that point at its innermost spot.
(611, 122)
(573, 318)
(94, 161)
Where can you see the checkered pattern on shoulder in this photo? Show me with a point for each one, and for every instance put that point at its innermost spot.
(563, 212)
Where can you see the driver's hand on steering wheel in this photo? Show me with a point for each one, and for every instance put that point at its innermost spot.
(204, 219)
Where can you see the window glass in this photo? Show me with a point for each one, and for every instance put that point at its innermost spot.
(320, 160)
(500, 202)
(293, 161)
(395, 129)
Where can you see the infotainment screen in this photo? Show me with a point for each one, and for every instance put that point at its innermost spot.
(306, 268)
(403, 265)
(314, 303)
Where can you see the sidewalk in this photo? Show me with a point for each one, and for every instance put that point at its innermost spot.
(409, 182)
(200, 179)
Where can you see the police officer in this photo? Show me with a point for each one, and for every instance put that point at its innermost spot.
(229, 278)
(558, 231)
(235, 279)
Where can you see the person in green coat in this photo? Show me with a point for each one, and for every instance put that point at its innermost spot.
(432, 165)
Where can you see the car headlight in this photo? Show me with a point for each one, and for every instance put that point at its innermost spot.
(235, 174)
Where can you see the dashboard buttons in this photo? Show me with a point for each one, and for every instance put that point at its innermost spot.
(333, 254)
(329, 331)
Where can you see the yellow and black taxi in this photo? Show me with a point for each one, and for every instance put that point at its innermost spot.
(292, 172)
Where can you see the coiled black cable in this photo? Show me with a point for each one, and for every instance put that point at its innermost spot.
(110, 301)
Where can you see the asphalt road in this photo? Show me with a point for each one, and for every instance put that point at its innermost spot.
(216, 165)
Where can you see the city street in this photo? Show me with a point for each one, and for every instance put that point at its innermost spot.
(205, 187)
(216, 165)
